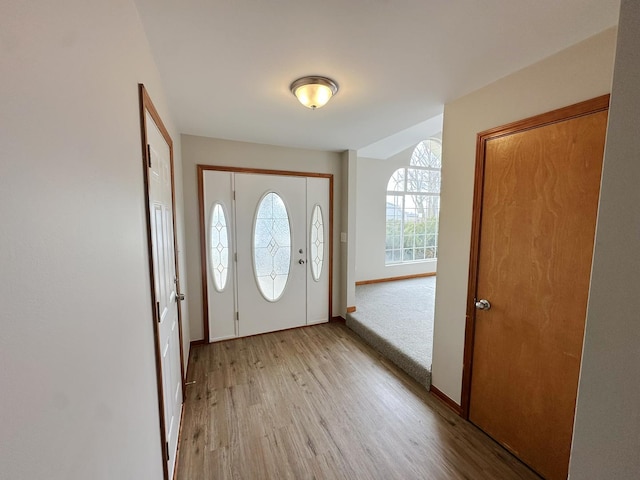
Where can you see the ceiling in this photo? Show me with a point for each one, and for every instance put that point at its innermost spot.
(226, 65)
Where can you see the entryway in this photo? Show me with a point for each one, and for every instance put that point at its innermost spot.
(266, 250)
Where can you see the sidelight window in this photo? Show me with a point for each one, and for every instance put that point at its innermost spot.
(218, 247)
(316, 243)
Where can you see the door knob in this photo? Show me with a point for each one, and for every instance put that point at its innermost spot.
(483, 304)
(301, 261)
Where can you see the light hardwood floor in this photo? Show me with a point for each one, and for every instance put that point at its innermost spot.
(317, 403)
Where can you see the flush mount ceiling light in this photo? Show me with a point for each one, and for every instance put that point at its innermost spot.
(313, 91)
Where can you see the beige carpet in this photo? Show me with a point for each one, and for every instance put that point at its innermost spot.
(396, 318)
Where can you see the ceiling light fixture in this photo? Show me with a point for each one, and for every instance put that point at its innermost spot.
(313, 91)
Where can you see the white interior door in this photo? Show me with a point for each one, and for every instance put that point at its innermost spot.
(272, 252)
(163, 256)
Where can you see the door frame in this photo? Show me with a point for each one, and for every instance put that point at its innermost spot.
(587, 107)
(146, 105)
(203, 239)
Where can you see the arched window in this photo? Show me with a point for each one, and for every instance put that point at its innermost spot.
(413, 206)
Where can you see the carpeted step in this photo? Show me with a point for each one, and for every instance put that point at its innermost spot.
(417, 371)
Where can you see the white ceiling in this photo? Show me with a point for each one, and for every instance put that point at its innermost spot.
(226, 65)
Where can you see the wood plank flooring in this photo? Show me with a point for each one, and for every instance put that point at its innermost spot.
(317, 403)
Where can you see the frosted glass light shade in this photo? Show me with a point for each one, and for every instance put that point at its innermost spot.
(314, 92)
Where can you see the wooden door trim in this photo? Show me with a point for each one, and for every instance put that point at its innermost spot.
(203, 239)
(587, 107)
(146, 105)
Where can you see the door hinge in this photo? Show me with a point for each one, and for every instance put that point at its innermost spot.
(167, 447)
(149, 155)
(236, 256)
(234, 194)
(158, 311)
(237, 315)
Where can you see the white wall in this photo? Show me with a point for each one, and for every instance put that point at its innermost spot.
(211, 151)
(578, 73)
(78, 393)
(607, 428)
(373, 178)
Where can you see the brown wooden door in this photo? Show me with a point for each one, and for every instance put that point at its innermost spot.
(535, 226)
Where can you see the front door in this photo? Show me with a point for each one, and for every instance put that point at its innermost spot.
(272, 244)
(538, 205)
(266, 248)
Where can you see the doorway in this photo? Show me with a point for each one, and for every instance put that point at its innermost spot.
(397, 221)
(266, 250)
(535, 206)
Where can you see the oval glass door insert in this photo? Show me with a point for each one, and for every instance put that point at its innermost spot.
(271, 246)
(316, 242)
(219, 247)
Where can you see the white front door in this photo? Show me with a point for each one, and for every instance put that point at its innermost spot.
(163, 257)
(271, 245)
(267, 252)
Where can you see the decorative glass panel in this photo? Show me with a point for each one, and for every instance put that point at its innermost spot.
(316, 243)
(271, 246)
(218, 247)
